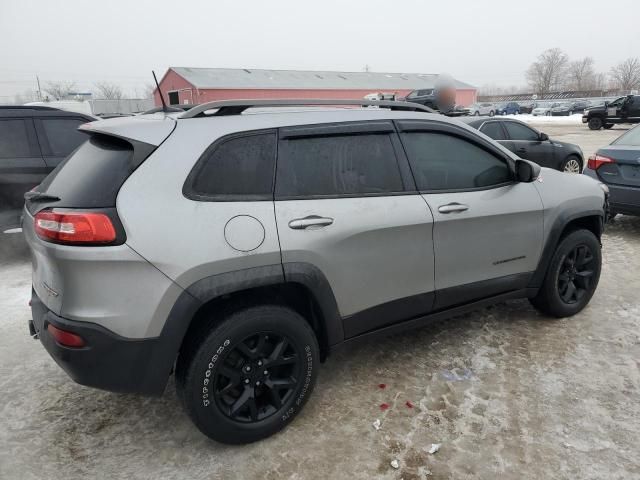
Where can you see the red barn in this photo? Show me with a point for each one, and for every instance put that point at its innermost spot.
(198, 85)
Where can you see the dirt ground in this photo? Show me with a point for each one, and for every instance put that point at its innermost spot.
(507, 393)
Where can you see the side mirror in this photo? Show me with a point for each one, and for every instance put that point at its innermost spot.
(543, 137)
(527, 171)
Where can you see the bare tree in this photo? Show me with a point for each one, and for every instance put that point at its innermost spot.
(108, 91)
(59, 90)
(547, 73)
(581, 74)
(626, 74)
(145, 91)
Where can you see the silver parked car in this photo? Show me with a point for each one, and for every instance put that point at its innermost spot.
(239, 250)
(482, 109)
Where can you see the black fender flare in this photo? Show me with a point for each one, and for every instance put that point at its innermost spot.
(209, 288)
(553, 239)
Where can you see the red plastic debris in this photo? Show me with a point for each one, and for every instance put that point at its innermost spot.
(382, 386)
(384, 406)
(409, 404)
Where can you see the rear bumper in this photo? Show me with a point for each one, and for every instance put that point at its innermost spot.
(108, 361)
(625, 200)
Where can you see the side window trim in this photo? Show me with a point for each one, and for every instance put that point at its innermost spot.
(382, 127)
(191, 194)
(409, 126)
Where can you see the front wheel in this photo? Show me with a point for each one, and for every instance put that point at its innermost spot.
(595, 123)
(247, 378)
(572, 275)
(491, 113)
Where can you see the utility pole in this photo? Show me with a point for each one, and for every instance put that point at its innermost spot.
(39, 91)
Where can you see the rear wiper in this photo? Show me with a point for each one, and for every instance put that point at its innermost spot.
(40, 197)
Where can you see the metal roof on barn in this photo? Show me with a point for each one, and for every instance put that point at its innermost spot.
(250, 78)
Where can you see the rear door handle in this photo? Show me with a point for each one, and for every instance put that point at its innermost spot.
(453, 207)
(310, 221)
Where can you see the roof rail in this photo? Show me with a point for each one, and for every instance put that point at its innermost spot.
(28, 107)
(236, 107)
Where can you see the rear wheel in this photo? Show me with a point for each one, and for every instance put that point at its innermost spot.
(572, 276)
(248, 377)
(595, 123)
(571, 164)
(491, 113)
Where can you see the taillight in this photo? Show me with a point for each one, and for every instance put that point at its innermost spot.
(74, 228)
(596, 161)
(64, 338)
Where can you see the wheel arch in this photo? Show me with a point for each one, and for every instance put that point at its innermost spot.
(300, 286)
(592, 220)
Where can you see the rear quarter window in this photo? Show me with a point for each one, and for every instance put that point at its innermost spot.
(234, 169)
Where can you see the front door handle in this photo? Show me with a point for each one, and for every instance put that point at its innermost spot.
(310, 221)
(453, 207)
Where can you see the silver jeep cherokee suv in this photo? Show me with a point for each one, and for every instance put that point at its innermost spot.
(237, 246)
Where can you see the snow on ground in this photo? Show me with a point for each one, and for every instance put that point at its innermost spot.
(568, 120)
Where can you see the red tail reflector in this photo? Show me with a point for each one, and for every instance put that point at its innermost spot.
(596, 161)
(64, 338)
(74, 228)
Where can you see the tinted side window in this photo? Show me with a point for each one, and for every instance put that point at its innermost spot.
(240, 167)
(493, 130)
(14, 142)
(63, 135)
(337, 165)
(445, 162)
(520, 132)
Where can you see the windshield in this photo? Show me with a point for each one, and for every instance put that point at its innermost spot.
(631, 138)
(618, 101)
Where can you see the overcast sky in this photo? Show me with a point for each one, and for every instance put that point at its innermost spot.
(477, 41)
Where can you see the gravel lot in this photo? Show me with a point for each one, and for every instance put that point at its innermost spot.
(509, 394)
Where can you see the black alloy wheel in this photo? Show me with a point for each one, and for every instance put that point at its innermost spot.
(576, 273)
(256, 377)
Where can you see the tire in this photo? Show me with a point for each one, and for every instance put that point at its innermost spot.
(223, 368)
(595, 123)
(571, 164)
(569, 267)
(548, 114)
(607, 126)
(491, 113)
(477, 113)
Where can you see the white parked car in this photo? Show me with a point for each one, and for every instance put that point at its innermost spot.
(482, 109)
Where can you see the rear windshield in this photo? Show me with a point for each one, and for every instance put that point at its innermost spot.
(632, 138)
(92, 175)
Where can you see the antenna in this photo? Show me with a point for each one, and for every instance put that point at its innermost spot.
(164, 105)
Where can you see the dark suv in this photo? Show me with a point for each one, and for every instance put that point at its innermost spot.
(621, 110)
(33, 140)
